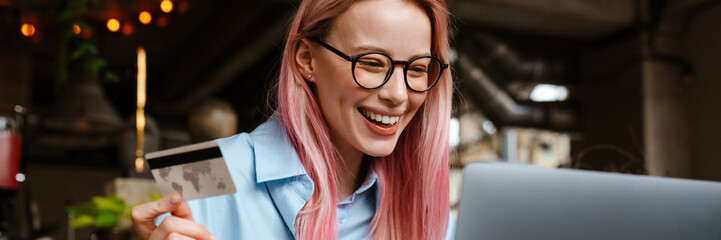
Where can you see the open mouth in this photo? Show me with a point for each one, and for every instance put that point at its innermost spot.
(381, 120)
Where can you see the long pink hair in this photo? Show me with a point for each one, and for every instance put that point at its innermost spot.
(414, 202)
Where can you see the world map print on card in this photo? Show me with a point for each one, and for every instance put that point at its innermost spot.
(196, 171)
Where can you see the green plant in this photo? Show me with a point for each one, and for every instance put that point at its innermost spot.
(101, 212)
(76, 13)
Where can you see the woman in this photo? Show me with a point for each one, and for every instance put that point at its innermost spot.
(358, 146)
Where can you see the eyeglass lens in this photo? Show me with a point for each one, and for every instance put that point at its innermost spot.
(371, 70)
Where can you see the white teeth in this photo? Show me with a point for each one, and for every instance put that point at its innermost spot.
(385, 119)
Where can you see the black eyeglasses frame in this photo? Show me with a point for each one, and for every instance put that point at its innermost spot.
(406, 65)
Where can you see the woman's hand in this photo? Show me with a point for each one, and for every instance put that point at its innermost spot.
(180, 225)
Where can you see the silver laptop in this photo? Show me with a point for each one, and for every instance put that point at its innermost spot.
(506, 201)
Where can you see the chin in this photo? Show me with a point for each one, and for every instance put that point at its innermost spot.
(380, 149)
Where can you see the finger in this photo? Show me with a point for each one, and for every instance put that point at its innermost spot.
(144, 214)
(178, 236)
(171, 236)
(172, 224)
(183, 211)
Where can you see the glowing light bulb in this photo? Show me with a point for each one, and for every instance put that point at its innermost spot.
(139, 165)
(27, 29)
(549, 93)
(76, 29)
(145, 17)
(113, 25)
(140, 111)
(166, 6)
(20, 177)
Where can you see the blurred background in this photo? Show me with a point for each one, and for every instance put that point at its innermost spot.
(88, 86)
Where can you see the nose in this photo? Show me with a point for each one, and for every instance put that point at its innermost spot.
(395, 91)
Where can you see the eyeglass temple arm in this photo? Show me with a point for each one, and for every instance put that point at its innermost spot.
(348, 58)
(332, 49)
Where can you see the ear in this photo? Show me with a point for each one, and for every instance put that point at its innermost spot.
(304, 59)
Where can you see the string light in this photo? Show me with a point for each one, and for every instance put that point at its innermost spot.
(27, 29)
(113, 25)
(140, 111)
(76, 29)
(166, 6)
(145, 17)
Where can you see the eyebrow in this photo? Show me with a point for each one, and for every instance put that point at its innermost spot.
(367, 48)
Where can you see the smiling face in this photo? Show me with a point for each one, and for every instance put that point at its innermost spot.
(369, 121)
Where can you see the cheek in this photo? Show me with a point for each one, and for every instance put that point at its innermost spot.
(334, 78)
(326, 82)
(415, 100)
(336, 91)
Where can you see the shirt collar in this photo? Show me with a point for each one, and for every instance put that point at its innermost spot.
(370, 180)
(368, 183)
(278, 166)
(275, 157)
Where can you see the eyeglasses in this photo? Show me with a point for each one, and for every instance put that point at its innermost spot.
(372, 70)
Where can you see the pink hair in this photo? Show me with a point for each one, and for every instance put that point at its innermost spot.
(414, 202)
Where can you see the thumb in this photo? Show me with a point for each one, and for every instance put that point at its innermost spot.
(144, 214)
(183, 211)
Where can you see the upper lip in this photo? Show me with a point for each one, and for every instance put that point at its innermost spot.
(382, 111)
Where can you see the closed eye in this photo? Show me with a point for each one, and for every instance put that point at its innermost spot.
(371, 63)
(419, 70)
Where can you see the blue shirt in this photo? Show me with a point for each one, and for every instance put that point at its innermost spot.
(272, 186)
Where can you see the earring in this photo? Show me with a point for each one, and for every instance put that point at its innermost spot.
(310, 76)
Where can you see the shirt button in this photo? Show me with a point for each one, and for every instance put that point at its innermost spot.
(341, 218)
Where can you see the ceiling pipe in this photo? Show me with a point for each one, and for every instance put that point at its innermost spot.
(510, 65)
(503, 110)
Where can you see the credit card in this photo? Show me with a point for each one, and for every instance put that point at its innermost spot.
(196, 171)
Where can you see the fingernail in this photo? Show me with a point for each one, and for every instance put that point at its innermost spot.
(173, 199)
(212, 237)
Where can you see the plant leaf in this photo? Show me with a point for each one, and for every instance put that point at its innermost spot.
(97, 64)
(109, 204)
(84, 208)
(83, 49)
(106, 219)
(118, 201)
(112, 77)
(82, 221)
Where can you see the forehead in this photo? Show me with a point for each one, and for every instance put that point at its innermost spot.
(399, 27)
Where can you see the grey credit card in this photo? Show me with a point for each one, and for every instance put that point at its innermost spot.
(196, 171)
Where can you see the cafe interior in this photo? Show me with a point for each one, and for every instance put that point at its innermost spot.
(88, 87)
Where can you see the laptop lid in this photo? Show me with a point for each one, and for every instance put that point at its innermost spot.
(507, 201)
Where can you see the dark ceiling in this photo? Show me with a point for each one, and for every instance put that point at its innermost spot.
(230, 49)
